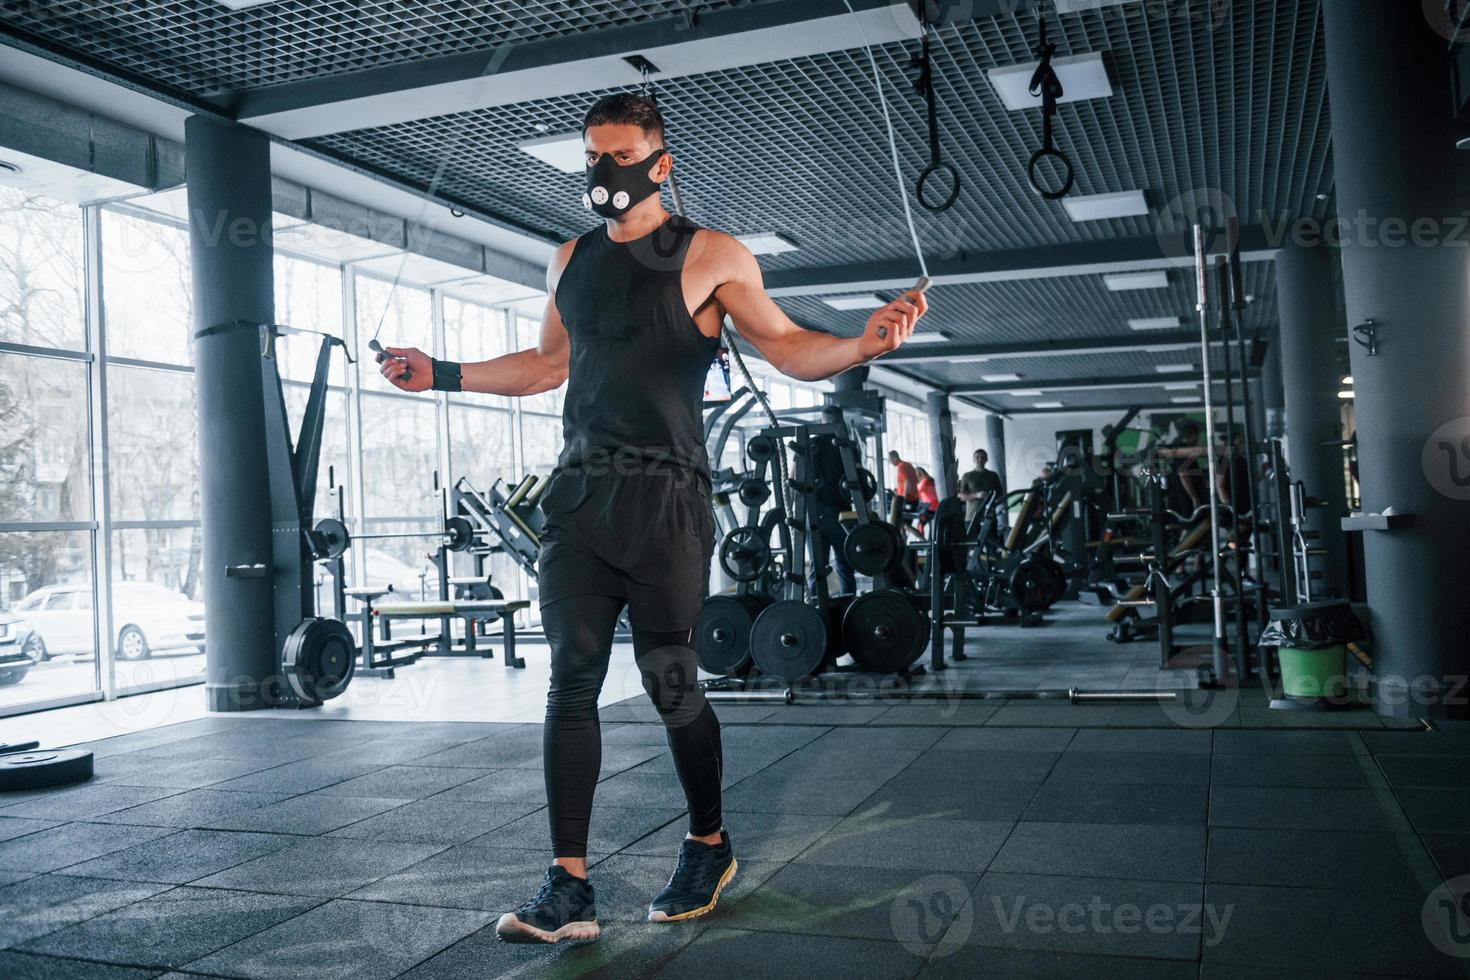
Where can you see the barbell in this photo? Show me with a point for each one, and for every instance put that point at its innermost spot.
(330, 538)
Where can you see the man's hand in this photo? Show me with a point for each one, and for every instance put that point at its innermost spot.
(891, 325)
(404, 360)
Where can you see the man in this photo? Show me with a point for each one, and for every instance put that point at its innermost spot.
(975, 484)
(631, 325)
(829, 500)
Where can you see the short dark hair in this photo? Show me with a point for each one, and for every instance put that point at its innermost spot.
(626, 109)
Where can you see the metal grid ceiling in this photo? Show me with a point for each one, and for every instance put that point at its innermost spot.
(799, 147)
(202, 48)
(1028, 310)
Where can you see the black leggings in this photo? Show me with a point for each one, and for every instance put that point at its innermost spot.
(580, 630)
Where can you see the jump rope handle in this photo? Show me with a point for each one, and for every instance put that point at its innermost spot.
(383, 355)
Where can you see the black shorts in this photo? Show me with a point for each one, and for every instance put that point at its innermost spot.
(645, 535)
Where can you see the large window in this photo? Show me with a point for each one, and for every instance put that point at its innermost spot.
(47, 628)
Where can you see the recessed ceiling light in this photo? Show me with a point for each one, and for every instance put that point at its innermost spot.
(767, 243)
(1181, 386)
(1083, 76)
(1187, 400)
(971, 358)
(1154, 323)
(1125, 281)
(1348, 381)
(1047, 405)
(1099, 207)
(243, 4)
(929, 337)
(1173, 368)
(997, 378)
(1345, 395)
(1025, 394)
(564, 151)
(862, 301)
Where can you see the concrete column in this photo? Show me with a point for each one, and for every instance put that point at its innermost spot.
(941, 444)
(1306, 291)
(1271, 419)
(229, 199)
(995, 438)
(1405, 266)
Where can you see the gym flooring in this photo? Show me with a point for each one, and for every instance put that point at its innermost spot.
(954, 838)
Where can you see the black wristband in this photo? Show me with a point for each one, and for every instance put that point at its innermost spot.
(446, 375)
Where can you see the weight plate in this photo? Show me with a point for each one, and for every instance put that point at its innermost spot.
(722, 642)
(873, 548)
(329, 539)
(318, 659)
(761, 448)
(789, 641)
(1037, 583)
(8, 747)
(744, 554)
(459, 534)
(867, 483)
(883, 631)
(754, 492)
(36, 770)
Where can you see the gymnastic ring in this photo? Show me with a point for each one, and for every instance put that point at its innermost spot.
(929, 171)
(1036, 158)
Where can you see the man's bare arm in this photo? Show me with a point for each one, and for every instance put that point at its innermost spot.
(526, 372)
(803, 354)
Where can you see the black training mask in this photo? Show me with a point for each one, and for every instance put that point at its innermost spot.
(612, 189)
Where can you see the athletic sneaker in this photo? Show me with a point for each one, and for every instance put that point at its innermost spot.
(562, 909)
(703, 872)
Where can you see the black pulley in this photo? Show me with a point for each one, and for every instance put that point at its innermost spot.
(722, 642)
(873, 548)
(43, 768)
(318, 659)
(754, 492)
(459, 534)
(789, 641)
(745, 554)
(329, 539)
(884, 631)
(1037, 584)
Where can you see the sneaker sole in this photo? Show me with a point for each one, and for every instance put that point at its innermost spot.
(656, 916)
(510, 929)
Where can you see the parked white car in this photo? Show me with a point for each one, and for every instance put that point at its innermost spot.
(150, 619)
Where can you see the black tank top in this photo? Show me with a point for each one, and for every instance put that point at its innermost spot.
(635, 383)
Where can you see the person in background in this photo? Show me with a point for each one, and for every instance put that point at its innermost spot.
(975, 484)
(905, 486)
(928, 499)
(824, 516)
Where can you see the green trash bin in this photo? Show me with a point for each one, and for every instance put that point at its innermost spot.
(1311, 647)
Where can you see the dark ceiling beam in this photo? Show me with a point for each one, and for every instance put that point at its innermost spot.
(536, 68)
(1099, 383)
(1006, 265)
